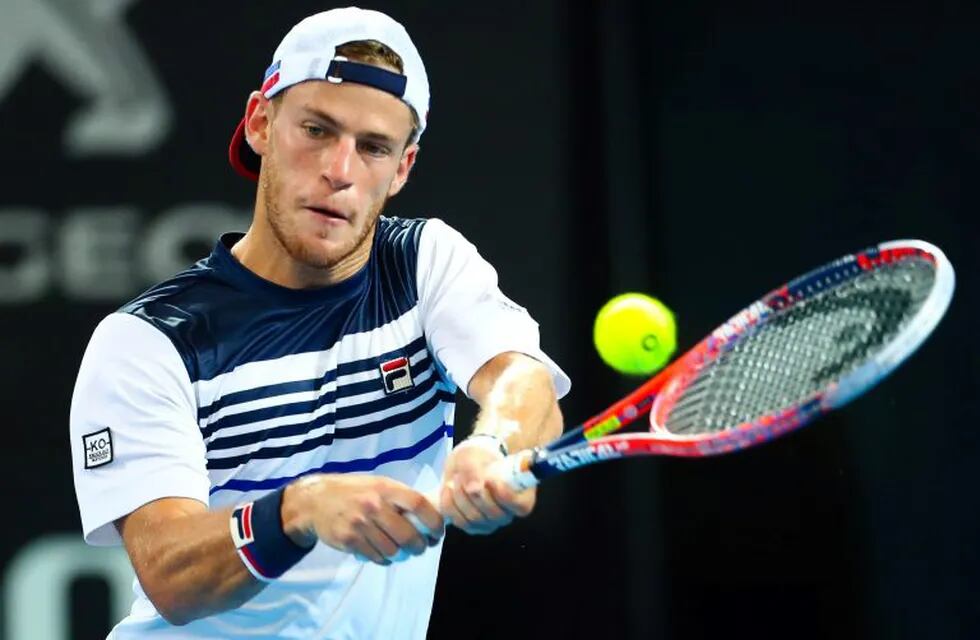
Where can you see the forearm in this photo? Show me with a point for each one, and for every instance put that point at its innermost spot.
(188, 565)
(518, 405)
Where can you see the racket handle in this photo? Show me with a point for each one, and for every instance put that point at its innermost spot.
(433, 497)
(515, 470)
(418, 524)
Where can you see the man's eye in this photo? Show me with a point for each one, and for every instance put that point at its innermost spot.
(314, 131)
(373, 149)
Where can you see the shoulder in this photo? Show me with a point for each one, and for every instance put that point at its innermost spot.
(125, 351)
(123, 335)
(444, 253)
(440, 232)
(179, 308)
(415, 234)
(441, 246)
(400, 232)
(183, 291)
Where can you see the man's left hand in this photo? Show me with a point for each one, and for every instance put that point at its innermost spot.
(475, 501)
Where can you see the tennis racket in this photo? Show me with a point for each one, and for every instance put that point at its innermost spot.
(806, 348)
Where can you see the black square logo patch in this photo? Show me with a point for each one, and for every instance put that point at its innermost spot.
(98, 448)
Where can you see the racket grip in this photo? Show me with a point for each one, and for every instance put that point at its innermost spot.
(433, 497)
(515, 471)
(418, 524)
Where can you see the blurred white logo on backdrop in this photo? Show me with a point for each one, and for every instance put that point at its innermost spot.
(87, 46)
(96, 253)
(103, 254)
(37, 584)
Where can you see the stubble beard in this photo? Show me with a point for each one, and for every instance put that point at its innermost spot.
(289, 238)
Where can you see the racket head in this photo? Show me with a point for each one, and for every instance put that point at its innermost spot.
(802, 350)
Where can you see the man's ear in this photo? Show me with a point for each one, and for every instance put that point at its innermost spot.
(404, 168)
(258, 118)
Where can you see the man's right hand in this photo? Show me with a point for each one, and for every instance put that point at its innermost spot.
(359, 514)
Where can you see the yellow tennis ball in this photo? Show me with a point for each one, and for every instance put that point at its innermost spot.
(635, 334)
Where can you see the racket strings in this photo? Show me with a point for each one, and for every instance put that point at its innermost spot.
(801, 349)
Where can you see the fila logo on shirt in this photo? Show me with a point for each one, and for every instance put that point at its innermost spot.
(396, 375)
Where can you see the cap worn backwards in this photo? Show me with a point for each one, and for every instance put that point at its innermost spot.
(308, 52)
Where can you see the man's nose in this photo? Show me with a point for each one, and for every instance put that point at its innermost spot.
(338, 161)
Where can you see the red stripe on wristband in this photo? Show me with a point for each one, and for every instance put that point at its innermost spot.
(247, 520)
(256, 530)
(249, 558)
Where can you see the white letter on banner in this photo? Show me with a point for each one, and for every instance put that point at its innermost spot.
(96, 248)
(28, 277)
(37, 584)
(164, 250)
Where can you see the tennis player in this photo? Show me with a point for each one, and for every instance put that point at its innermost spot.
(260, 430)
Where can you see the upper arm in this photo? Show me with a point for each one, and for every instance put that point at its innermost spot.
(467, 319)
(133, 397)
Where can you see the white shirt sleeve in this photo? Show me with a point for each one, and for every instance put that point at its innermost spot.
(467, 320)
(134, 432)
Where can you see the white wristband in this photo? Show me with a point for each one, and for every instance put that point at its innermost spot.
(488, 441)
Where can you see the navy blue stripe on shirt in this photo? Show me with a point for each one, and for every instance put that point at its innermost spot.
(347, 466)
(218, 296)
(310, 406)
(337, 413)
(282, 388)
(371, 428)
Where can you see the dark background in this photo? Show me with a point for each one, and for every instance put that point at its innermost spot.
(699, 152)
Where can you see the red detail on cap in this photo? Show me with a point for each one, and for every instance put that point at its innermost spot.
(394, 364)
(270, 82)
(243, 160)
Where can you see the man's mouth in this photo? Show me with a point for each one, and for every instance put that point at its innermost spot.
(329, 213)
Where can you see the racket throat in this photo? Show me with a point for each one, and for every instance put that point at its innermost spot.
(545, 463)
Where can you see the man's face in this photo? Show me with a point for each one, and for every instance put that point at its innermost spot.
(334, 153)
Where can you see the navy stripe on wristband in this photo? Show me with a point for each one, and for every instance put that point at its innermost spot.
(256, 530)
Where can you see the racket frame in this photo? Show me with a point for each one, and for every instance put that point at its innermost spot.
(595, 441)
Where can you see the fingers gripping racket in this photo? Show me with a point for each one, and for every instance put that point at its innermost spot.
(804, 349)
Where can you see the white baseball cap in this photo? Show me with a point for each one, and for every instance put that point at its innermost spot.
(308, 52)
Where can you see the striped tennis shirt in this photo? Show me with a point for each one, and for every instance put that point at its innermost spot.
(220, 386)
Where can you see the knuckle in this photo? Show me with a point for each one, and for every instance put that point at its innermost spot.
(347, 538)
(406, 538)
(524, 509)
(413, 547)
(369, 505)
(387, 547)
